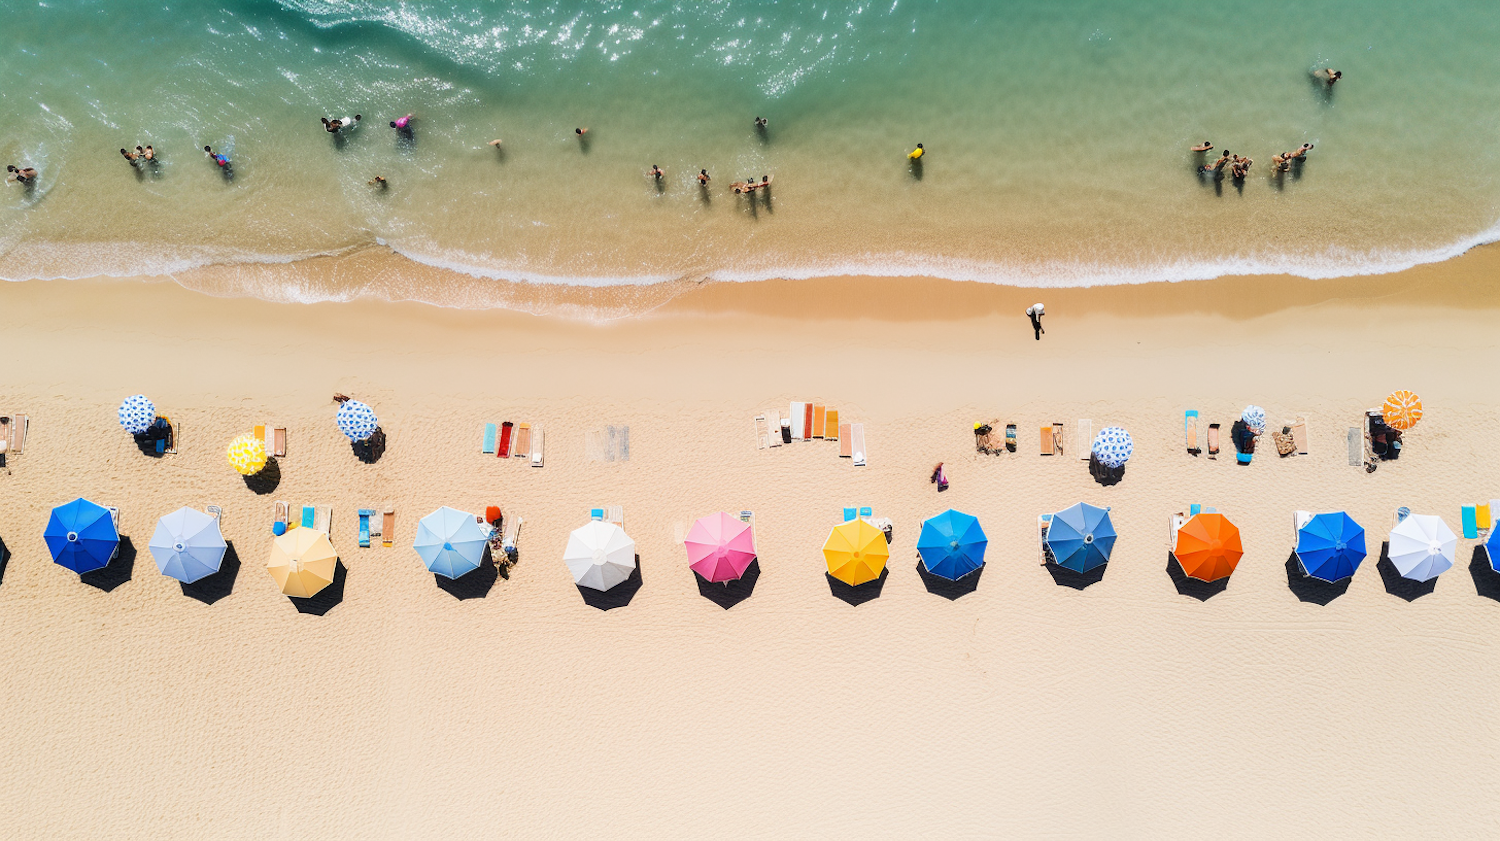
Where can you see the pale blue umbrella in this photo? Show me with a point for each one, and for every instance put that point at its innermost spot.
(188, 545)
(1081, 537)
(137, 414)
(451, 542)
(356, 420)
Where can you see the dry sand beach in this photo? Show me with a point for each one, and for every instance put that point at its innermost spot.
(1023, 708)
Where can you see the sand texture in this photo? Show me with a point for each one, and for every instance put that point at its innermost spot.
(1028, 707)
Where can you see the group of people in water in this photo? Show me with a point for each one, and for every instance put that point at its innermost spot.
(23, 175)
(1239, 166)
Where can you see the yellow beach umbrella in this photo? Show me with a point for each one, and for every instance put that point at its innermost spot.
(302, 562)
(247, 455)
(856, 552)
(1402, 409)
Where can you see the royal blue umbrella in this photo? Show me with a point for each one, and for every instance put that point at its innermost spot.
(356, 420)
(188, 545)
(952, 544)
(1492, 548)
(1081, 537)
(81, 536)
(451, 542)
(1330, 546)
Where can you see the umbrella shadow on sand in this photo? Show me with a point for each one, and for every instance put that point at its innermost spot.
(1192, 587)
(4, 559)
(730, 593)
(616, 596)
(1398, 585)
(325, 599)
(371, 449)
(474, 584)
(1309, 589)
(211, 588)
(857, 594)
(948, 588)
(1064, 577)
(1486, 580)
(267, 480)
(117, 572)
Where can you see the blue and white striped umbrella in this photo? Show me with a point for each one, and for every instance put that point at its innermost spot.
(357, 420)
(1112, 446)
(1255, 418)
(137, 414)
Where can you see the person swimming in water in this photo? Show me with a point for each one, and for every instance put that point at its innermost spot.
(580, 131)
(1202, 147)
(917, 153)
(656, 172)
(1328, 75)
(21, 175)
(218, 159)
(1301, 152)
(130, 157)
(1218, 165)
(379, 181)
(703, 178)
(495, 143)
(147, 153)
(760, 122)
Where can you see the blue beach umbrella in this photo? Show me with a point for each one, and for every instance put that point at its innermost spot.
(952, 544)
(1113, 446)
(450, 542)
(81, 536)
(1255, 418)
(356, 420)
(1331, 546)
(188, 545)
(1492, 548)
(137, 414)
(1081, 537)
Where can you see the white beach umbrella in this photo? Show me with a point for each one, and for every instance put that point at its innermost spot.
(600, 555)
(1422, 547)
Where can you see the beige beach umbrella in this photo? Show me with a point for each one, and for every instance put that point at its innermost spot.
(302, 562)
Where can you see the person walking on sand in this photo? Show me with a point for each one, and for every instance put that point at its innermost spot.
(916, 154)
(1035, 313)
(1202, 147)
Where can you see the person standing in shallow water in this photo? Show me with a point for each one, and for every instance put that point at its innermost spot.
(1035, 313)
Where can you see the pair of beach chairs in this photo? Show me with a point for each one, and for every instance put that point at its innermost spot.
(1478, 519)
(13, 430)
(609, 514)
(515, 441)
(274, 437)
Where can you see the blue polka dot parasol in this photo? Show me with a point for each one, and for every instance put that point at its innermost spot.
(357, 420)
(1112, 446)
(137, 414)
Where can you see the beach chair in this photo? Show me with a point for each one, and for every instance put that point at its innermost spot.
(1083, 435)
(214, 511)
(322, 518)
(1401, 514)
(747, 516)
(510, 538)
(283, 517)
(168, 444)
(831, 426)
(278, 441)
(622, 442)
(364, 527)
(1057, 438)
(1213, 441)
(866, 512)
(487, 444)
(1194, 510)
(596, 514)
(1482, 516)
(19, 425)
(820, 417)
(502, 450)
(1190, 431)
(1299, 436)
(536, 447)
(5, 431)
(522, 448)
(762, 433)
(1044, 522)
(1010, 437)
(388, 528)
(850, 514)
(1356, 447)
(798, 422)
(1046, 440)
(846, 440)
(309, 517)
(857, 446)
(616, 515)
(773, 423)
(1299, 519)
(1174, 522)
(259, 433)
(1470, 522)
(807, 421)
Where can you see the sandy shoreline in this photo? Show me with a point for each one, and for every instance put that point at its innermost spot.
(1020, 708)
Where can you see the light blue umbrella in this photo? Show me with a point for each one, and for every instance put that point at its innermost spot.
(1255, 418)
(451, 542)
(356, 420)
(188, 545)
(1330, 547)
(137, 414)
(81, 536)
(952, 544)
(1113, 446)
(1081, 537)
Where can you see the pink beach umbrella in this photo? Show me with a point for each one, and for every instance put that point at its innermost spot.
(720, 547)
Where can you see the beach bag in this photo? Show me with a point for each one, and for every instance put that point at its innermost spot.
(1285, 445)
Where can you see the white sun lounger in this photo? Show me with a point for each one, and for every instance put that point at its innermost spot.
(857, 446)
(1085, 438)
(536, 446)
(762, 433)
(799, 413)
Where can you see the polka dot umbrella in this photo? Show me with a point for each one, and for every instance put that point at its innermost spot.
(247, 455)
(1402, 410)
(357, 420)
(1254, 418)
(1112, 446)
(137, 414)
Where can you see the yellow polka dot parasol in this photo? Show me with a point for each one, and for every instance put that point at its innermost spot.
(247, 455)
(1402, 409)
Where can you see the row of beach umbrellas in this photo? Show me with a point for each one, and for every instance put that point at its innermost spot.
(188, 545)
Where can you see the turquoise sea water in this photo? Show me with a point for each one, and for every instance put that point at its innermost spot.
(1057, 136)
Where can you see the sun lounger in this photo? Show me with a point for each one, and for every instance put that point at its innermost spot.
(487, 445)
(522, 448)
(536, 447)
(502, 450)
(1043, 522)
(1470, 522)
(1084, 437)
(857, 432)
(820, 417)
(1174, 522)
(850, 514)
(762, 433)
(846, 441)
(5, 431)
(798, 420)
(309, 517)
(831, 426)
(1057, 438)
(215, 511)
(1046, 440)
(616, 515)
(747, 516)
(866, 512)
(1299, 519)
(1482, 516)
(322, 518)
(283, 516)
(596, 514)
(1213, 440)
(1356, 447)
(260, 435)
(364, 527)
(1010, 437)
(807, 421)
(773, 425)
(1299, 436)
(1190, 430)
(278, 441)
(388, 528)
(622, 449)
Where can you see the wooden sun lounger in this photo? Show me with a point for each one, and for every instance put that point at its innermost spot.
(820, 417)
(1084, 436)
(5, 431)
(388, 528)
(1213, 441)
(512, 533)
(322, 518)
(773, 421)
(1046, 440)
(523, 441)
(536, 447)
(1043, 522)
(1299, 436)
(762, 433)
(278, 441)
(1057, 438)
(1190, 431)
(846, 440)
(857, 432)
(1356, 444)
(831, 425)
(807, 421)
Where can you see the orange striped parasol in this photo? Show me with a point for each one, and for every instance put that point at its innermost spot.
(1402, 409)
(1208, 547)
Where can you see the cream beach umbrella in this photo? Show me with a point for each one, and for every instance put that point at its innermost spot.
(600, 555)
(1422, 547)
(247, 455)
(302, 562)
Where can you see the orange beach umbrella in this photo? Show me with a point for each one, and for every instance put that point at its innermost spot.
(1208, 547)
(1402, 410)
